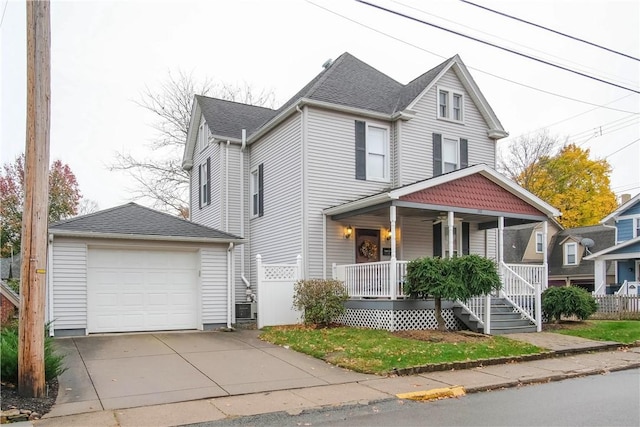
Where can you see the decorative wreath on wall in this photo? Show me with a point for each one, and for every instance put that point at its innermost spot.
(369, 250)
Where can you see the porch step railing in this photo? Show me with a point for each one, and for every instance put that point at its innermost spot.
(372, 279)
(522, 286)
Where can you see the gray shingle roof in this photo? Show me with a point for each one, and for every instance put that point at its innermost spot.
(602, 236)
(228, 118)
(516, 239)
(137, 221)
(347, 81)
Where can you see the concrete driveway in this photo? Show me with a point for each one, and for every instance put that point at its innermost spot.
(131, 370)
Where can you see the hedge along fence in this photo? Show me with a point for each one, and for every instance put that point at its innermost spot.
(618, 307)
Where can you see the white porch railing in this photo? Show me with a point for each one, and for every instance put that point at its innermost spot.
(371, 279)
(522, 286)
(628, 288)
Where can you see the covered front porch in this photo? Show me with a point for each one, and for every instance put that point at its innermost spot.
(626, 256)
(458, 213)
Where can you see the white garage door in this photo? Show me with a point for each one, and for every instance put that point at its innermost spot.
(141, 290)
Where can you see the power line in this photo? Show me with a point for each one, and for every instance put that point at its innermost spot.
(515, 52)
(480, 70)
(551, 30)
(622, 148)
(600, 73)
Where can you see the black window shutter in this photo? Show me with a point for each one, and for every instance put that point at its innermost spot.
(200, 186)
(261, 189)
(464, 153)
(437, 154)
(361, 151)
(465, 238)
(437, 240)
(208, 195)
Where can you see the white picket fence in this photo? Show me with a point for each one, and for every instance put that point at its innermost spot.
(275, 293)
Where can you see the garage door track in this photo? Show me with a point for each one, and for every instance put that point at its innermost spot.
(130, 370)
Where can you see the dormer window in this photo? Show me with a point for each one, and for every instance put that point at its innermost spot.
(450, 105)
(539, 242)
(571, 253)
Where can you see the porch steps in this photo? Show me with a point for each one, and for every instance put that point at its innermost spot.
(503, 319)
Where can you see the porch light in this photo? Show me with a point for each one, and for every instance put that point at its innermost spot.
(348, 232)
(388, 232)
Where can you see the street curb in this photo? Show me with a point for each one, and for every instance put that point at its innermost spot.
(433, 394)
(436, 367)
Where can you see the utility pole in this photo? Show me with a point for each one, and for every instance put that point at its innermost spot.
(36, 204)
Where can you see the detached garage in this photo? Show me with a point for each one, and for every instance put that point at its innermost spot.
(131, 268)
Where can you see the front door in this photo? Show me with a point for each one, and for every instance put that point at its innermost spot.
(367, 245)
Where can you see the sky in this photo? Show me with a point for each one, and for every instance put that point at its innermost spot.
(105, 53)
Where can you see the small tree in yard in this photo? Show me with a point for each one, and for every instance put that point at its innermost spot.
(320, 301)
(568, 301)
(450, 278)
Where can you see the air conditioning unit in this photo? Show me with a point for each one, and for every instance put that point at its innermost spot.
(246, 310)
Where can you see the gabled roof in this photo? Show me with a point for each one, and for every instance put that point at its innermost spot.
(602, 236)
(528, 205)
(347, 84)
(629, 249)
(621, 209)
(132, 221)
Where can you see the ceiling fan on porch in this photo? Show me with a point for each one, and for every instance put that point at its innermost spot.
(442, 217)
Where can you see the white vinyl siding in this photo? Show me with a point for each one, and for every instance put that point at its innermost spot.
(331, 181)
(213, 279)
(69, 285)
(277, 235)
(415, 158)
(212, 215)
(417, 238)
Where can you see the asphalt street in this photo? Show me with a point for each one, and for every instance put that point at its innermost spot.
(603, 400)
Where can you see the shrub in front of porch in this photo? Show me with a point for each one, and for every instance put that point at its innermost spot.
(568, 301)
(320, 301)
(458, 278)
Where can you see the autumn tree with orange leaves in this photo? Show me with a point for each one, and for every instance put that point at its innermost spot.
(64, 198)
(572, 182)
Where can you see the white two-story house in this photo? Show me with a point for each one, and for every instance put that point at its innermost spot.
(358, 173)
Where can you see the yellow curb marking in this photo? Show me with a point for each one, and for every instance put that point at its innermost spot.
(436, 393)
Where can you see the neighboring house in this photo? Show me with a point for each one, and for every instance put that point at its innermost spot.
(356, 168)
(624, 252)
(525, 244)
(10, 267)
(9, 303)
(567, 264)
(131, 268)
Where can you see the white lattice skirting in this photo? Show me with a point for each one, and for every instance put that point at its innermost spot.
(398, 320)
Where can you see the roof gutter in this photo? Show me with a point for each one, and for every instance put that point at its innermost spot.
(119, 236)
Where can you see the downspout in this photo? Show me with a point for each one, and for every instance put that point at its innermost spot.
(226, 187)
(229, 284)
(50, 285)
(248, 293)
(303, 195)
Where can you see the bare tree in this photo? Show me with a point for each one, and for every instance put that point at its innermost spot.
(524, 153)
(159, 176)
(87, 206)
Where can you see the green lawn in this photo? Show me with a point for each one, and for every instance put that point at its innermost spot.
(374, 351)
(624, 331)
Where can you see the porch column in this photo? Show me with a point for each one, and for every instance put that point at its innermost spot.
(599, 276)
(544, 280)
(393, 282)
(450, 225)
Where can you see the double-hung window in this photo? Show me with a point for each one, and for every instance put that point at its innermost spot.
(203, 135)
(539, 242)
(571, 253)
(204, 179)
(257, 191)
(636, 227)
(450, 157)
(449, 153)
(372, 152)
(450, 105)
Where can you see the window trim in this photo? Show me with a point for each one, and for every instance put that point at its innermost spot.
(635, 224)
(387, 152)
(203, 135)
(539, 235)
(449, 109)
(257, 193)
(566, 253)
(457, 144)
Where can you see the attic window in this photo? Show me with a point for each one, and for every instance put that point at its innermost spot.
(203, 135)
(571, 253)
(450, 105)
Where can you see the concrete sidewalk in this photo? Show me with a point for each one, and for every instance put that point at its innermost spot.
(364, 389)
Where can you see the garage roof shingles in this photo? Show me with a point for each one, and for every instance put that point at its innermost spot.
(474, 192)
(135, 220)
